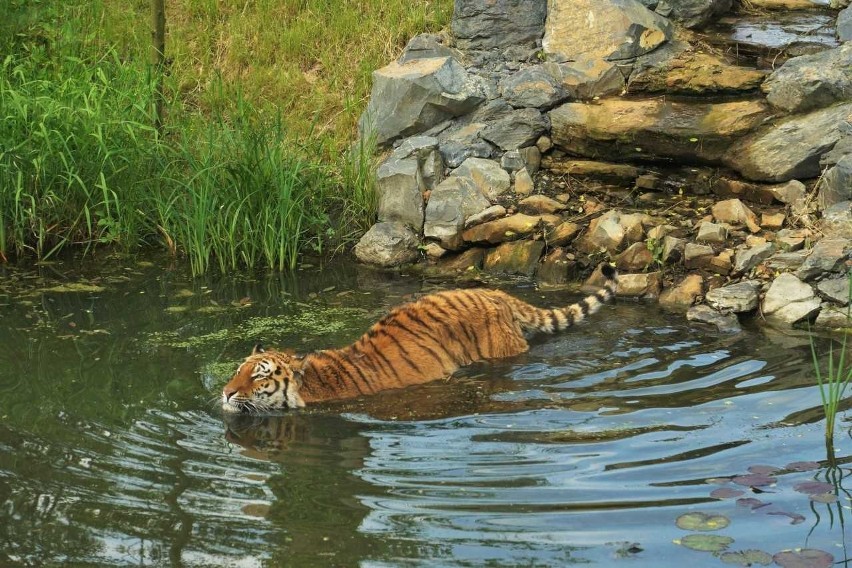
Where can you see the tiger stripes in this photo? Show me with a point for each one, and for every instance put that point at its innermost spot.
(424, 340)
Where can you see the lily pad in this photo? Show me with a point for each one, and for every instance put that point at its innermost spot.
(726, 493)
(804, 558)
(795, 518)
(705, 542)
(764, 470)
(802, 466)
(814, 487)
(702, 522)
(824, 497)
(749, 557)
(754, 480)
(751, 503)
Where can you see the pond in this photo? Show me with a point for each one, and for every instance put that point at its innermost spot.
(592, 448)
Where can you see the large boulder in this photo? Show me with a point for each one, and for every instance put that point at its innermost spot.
(532, 87)
(450, 204)
(602, 29)
(498, 23)
(811, 81)
(618, 129)
(413, 168)
(692, 13)
(516, 129)
(411, 97)
(487, 175)
(836, 185)
(790, 149)
(388, 244)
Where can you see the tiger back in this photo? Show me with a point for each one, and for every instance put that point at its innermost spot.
(421, 341)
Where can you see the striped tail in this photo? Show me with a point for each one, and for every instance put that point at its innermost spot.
(557, 319)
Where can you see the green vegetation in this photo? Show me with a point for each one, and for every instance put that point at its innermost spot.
(254, 165)
(834, 381)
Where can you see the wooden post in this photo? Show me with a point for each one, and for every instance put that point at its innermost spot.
(158, 58)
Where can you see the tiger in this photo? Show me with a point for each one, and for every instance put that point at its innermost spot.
(418, 342)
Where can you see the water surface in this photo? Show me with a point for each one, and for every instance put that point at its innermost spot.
(584, 450)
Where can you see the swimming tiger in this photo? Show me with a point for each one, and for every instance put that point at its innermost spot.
(418, 342)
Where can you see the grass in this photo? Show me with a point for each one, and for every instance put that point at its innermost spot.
(834, 381)
(255, 165)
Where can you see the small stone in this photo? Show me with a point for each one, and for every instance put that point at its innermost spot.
(772, 221)
(828, 255)
(519, 257)
(540, 204)
(487, 175)
(790, 244)
(789, 192)
(557, 268)
(786, 261)
(434, 251)
(659, 232)
(673, 249)
(746, 259)
(512, 161)
(735, 212)
(635, 258)
(532, 158)
(738, 298)
(563, 234)
(697, 256)
(489, 214)
(505, 229)
(648, 181)
(721, 263)
(523, 182)
(789, 300)
(544, 144)
(725, 323)
(604, 233)
(832, 316)
(712, 233)
(646, 285)
(685, 294)
(468, 260)
(388, 244)
(835, 290)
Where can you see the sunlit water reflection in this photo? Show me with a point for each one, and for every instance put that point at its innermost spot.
(585, 449)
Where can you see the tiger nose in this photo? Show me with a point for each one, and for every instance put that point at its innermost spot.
(228, 392)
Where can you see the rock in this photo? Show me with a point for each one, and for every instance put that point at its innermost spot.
(498, 23)
(450, 204)
(427, 46)
(789, 192)
(606, 172)
(515, 130)
(835, 290)
(734, 212)
(683, 71)
(791, 244)
(786, 261)
(836, 222)
(505, 229)
(434, 251)
(786, 4)
(562, 234)
(693, 13)
(489, 214)
(844, 25)
(748, 258)
(712, 233)
(471, 259)
(523, 182)
(791, 148)
(544, 144)
(557, 268)
(520, 257)
(833, 317)
(532, 87)
(726, 187)
(811, 81)
(602, 29)
(828, 255)
(635, 258)
(674, 249)
(725, 323)
(388, 244)
(772, 221)
(604, 233)
(647, 285)
(836, 185)
(512, 161)
(487, 175)
(399, 193)
(411, 98)
(531, 157)
(697, 256)
(738, 298)
(685, 294)
(586, 79)
(540, 205)
(620, 129)
(789, 300)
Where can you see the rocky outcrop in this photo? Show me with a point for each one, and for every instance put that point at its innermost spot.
(498, 23)
(844, 25)
(811, 81)
(388, 244)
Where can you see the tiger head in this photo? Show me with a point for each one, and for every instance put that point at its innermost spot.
(266, 381)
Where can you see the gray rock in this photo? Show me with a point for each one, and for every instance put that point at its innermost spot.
(411, 98)
(790, 149)
(828, 255)
(388, 244)
(712, 233)
(832, 317)
(738, 298)
(646, 285)
(399, 192)
(693, 13)
(790, 192)
(836, 185)
(611, 29)
(455, 153)
(531, 156)
(492, 180)
(427, 46)
(532, 87)
(840, 150)
(586, 79)
(489, 214)
(747, 259)
(498, 23)
(604, 233)
(789, 300)
(697, 256)
(835, 290)
(836, 222)
(811, 81)
(512, 161)
(786, 261)
(844, 25)
(725, 323)
(673, 249)
(424, 149)
(517, 129)
(450, 204)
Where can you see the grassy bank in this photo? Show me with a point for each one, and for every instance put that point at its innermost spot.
(254, 164)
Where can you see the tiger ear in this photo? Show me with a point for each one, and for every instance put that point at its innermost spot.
(258, 348)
